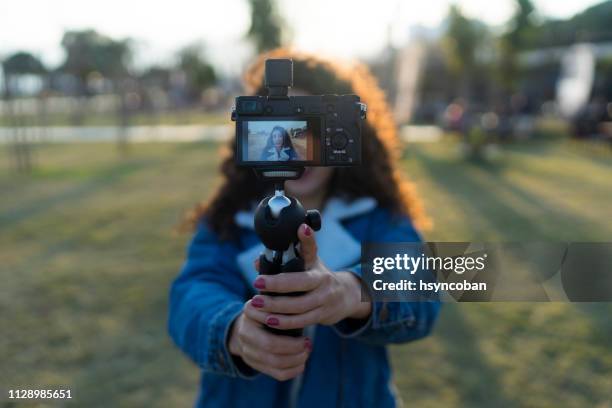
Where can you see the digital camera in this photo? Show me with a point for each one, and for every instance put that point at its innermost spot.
(281, 131)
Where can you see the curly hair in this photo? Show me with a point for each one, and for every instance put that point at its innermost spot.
(377, 177)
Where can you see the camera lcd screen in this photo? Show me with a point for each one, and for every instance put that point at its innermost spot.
(277, 141)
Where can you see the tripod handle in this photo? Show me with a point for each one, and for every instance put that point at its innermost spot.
(272, 268)
(277, 219)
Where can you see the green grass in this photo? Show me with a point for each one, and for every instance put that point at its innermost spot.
(522, 354)
(87, 252)
(179, 117)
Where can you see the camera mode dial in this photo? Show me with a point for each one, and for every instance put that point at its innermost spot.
(339, 140)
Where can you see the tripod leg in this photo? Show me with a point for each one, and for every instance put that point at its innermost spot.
(273, 267)
(294, 265)
(267, 267)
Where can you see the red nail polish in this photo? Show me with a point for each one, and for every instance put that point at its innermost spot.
(307, 344)
(272, 321)
(307, 230)
(257, 302)
(260, 283)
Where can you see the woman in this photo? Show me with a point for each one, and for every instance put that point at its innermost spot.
(217, 316)
(279, 146)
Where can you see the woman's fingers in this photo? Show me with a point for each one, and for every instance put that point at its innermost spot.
(298, 321)
(270, 343)
(278, 361)
(281, 357)
(254, 314)
(283, 322)
(308, 245)
(287, 304)
(288, 282)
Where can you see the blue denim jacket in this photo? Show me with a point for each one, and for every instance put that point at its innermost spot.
(348, 366)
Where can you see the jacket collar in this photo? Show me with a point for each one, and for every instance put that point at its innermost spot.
(337, 247)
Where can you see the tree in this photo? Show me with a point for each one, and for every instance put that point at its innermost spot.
(521, 24)
(20, 63)
(88, 52)
(266, 25)
(462, 44)
(16, 65)
(591, 25)
(156, 76)
(517, 38)
(198, 72)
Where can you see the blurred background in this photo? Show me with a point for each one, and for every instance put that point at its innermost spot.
(111, 120)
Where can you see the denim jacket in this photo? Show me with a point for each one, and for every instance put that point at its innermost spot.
(348, 366)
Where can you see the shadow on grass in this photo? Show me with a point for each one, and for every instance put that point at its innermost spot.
(600, 155)
(481, 199)
(601, 315)
(478, 383)
(102, 179)
(124, 370)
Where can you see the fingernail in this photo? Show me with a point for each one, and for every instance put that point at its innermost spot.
(257, 302)
(307, 230)
(272, 321)
(308, 344)
(260, 283)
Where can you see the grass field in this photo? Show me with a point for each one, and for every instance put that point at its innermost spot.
(87, 253)
(177, 117)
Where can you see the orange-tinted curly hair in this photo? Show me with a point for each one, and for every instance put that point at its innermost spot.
(377, 177)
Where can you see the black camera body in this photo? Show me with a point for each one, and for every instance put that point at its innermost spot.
(281, 131)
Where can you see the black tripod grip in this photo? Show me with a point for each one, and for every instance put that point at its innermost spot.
(271, 268)
(267, 267)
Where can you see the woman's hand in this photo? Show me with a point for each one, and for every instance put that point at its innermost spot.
(280, 357)
(330, 297)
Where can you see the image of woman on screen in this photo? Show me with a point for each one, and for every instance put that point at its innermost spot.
(279, 146)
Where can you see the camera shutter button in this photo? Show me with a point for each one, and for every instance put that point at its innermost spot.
(339, 140)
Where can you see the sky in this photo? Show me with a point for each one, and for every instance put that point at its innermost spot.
(343, 28)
